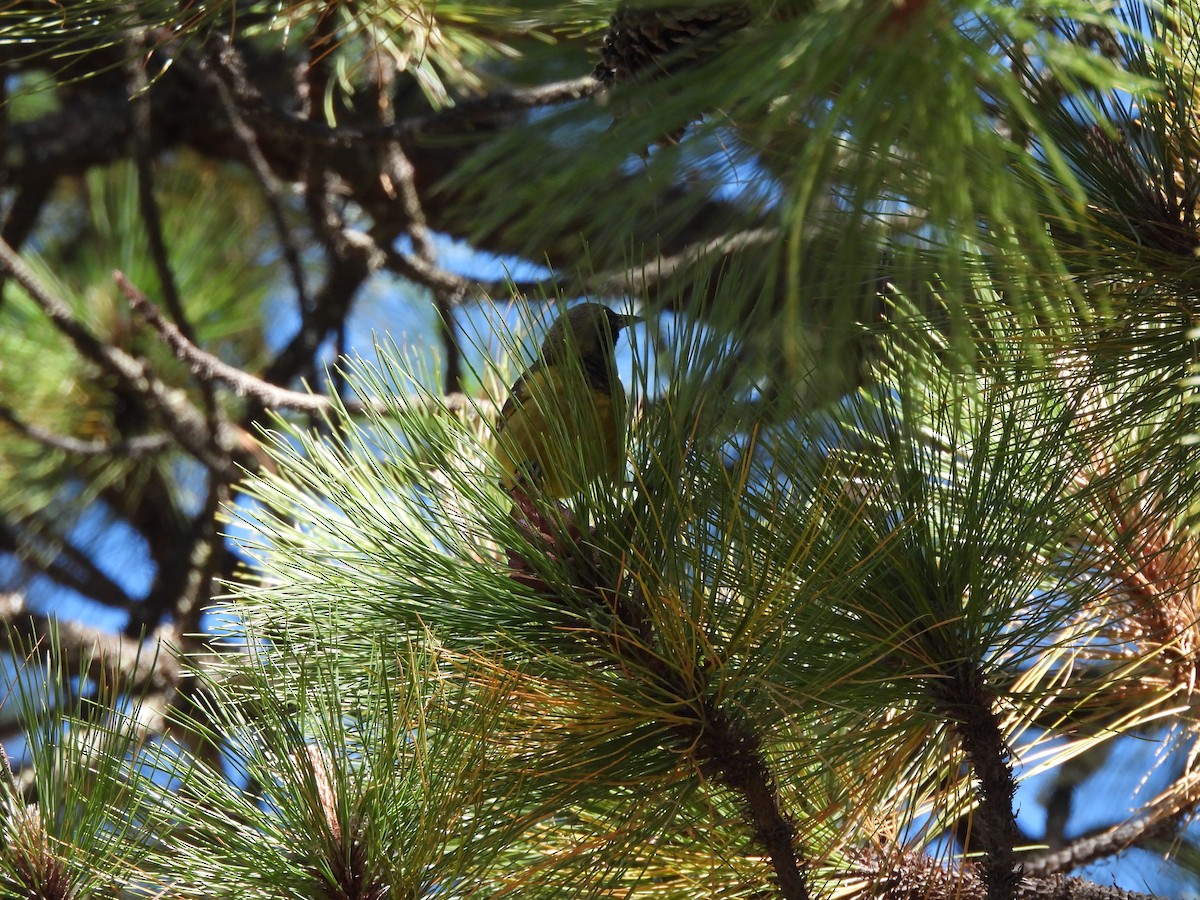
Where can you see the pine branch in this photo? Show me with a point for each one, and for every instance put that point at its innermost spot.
(964, 698)
(1162, 817)
(727, 744)
(209, 368)
(143, 135)
(348, 872)
(182, 419)
(133, 448)
(734, 752)
(138, 665)
(4, 125)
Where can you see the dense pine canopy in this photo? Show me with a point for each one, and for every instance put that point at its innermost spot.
(907, 518)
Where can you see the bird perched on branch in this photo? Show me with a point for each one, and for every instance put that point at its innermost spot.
(563, 424)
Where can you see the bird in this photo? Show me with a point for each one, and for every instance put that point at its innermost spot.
(563, 424)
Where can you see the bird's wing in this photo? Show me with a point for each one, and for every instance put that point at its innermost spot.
(517, 394)
(544, 438)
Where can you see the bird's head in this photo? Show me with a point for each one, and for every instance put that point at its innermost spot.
(590, 330)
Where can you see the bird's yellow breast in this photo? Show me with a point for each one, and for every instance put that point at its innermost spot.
(557, 434)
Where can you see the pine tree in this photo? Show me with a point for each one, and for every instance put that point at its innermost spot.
(908, 506)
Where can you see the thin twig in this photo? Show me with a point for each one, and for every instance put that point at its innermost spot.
(33, 542)
(150, 212)
(464, 113)
(337, 378)
(341, 283)
(1156, 820)
(640, 280)
(439, 280)
(133, 448)
(4, 143)
(139, 94)
(400, 174)
(208, 368)
(4, 121)
(268, 184)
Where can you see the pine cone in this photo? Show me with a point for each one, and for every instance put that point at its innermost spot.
(661, 41)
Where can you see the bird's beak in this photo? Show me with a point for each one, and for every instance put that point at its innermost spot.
(626, 321)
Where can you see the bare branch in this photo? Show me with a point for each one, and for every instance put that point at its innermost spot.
(455, 403)
(496, 103)
(4, 112)
(208, 368)
(1159, 818)
(642, 280)
(57, 558)
(137, 664)
(134, 448)
(443, 281)
(271, 187)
